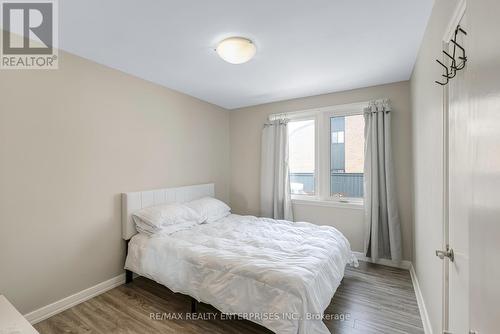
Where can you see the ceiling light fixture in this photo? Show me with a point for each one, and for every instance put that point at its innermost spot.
(236, 50)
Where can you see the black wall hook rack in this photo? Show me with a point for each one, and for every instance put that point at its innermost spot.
(457, 62)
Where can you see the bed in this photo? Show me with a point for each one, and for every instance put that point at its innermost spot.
(279, 274)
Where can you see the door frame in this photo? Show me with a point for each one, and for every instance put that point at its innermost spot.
(449, 33)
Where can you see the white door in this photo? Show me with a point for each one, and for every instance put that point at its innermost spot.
(458, 197)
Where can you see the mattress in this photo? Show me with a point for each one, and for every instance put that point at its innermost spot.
(277, 273)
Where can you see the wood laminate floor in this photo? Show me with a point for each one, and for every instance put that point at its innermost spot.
(371, 299)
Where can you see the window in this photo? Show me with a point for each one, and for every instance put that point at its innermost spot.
(337, 137)
(301, 161)
(326, 153)
(347, 156)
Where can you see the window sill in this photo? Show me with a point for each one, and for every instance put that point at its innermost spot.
(357, 205)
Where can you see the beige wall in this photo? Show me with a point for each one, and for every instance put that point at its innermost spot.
(73, 139)
(347, 220)
(245, 128)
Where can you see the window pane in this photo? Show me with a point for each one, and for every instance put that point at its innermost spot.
(347, 155)
(337, 137)
(301, 141)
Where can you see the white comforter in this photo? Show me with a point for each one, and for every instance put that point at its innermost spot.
(276, 273)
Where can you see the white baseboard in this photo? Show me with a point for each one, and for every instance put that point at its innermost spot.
(396, 264)
(79, 297)
(420, 300)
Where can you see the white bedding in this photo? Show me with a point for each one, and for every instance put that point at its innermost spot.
(276, 273)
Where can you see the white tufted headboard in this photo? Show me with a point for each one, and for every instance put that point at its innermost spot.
(132, 202)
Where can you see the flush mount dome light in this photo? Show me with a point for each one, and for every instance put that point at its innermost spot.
(236, 50)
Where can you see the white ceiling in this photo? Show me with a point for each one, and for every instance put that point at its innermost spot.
(304, 47)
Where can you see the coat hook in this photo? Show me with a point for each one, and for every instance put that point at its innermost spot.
(451, 57)
(461, 48)
(459, 28)
(447, 73)
(454, 67)
(445, 67)
(463, 58)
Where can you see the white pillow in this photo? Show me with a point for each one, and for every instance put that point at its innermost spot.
(211, 208)
(156, 217)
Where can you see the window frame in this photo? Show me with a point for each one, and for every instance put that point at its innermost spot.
(321, 117)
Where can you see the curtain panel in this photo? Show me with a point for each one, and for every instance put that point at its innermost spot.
(382, 222)
(275, 198)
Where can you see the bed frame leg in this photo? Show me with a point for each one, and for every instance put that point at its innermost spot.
(194, 305)
(128, 276)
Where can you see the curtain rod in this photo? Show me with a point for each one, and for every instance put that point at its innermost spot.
(308, 112)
